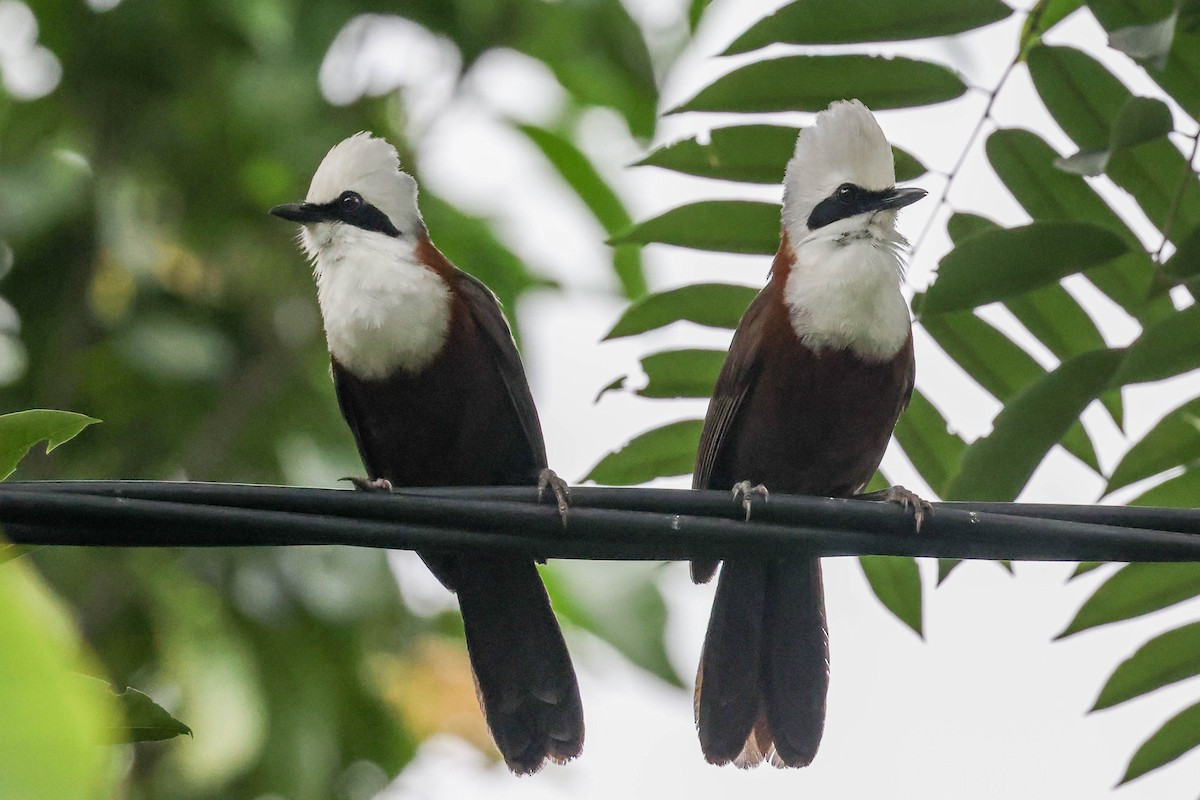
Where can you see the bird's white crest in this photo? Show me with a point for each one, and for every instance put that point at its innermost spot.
(844, 145)
(383, 309)
(843, 290)
(371, 167)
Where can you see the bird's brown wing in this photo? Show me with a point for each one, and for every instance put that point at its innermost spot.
(732, 387)
(485, 309)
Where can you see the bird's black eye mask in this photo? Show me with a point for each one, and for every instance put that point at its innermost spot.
(349, 207)
(846, 201)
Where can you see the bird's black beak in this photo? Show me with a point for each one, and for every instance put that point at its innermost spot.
(899, 198)
(304, 213)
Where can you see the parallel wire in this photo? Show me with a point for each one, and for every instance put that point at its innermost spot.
(603, 523)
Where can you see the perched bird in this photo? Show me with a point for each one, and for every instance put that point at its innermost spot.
(428, 378)
(818, 371)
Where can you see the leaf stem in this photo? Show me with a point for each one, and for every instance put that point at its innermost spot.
(962, 157)
(1176, 201)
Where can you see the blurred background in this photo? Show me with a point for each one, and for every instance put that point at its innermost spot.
(144, 284)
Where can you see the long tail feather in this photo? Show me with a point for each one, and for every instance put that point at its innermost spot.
(527, 686)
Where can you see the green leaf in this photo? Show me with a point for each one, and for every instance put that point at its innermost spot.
(810, 83)
(21, 430)
(1173, 442)
(997, 364)
(995, 265)
(988, 356)
(725, 226)
(601, 200)
(1166, 348)
(1177, 736)
(750, 154)
(1025, 164)
(1178, 75)
(1085, 100)
(1178, 492)
(1050, 313)
(681, 373)
(52, 726)
(862, 21)
(896, 581)
(945, 567)
(619, 602)
(144, 719)
(962, 226)
(925, 438)
(1042, 17)
(1150, 42)
(997, 466)
(1140, 120)
(719, 305)
(657, 453)
(1185, 263)
(1084, 567)
(1165, 659)
(695, 12)
(1134, 590)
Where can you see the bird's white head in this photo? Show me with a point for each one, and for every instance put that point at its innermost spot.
(383, 307)
(839, 215)
(359, 185)
(842, 177)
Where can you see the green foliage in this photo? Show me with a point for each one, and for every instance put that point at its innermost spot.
(603, 597)
(726, 226)
(155, 293)
(995, 265)
(842, 22)
(1135, 590)
(601, 200)
(1165, 659)
(21, 430)
(144, 719)
(750, 154)
(809, 83)
(1074, 232)
(681, 373)
(997, 466)
(54, 723)
(720, 305)
(669, 450)
(897, 583)
(1177, 736)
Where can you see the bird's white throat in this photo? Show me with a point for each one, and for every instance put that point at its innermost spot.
(383, 309)
(843, 290)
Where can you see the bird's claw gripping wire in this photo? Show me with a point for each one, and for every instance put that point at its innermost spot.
(904, 498)
(743, 493)
(370, 484)
(548, 479)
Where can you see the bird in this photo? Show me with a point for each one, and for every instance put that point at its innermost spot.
(819, 369)
(429, 381)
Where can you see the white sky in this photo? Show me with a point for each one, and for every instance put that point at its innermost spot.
(987, 706)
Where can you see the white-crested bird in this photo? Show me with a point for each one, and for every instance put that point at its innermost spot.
(818, 372)
(429, 380)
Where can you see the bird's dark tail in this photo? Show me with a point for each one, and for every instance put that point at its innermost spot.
(764, 672)
(523, 674)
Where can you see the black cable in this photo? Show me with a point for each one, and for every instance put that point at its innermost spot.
(149, 513)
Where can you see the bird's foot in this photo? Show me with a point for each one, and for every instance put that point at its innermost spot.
(743, 493)
(370, 484)
(548, 479)
(904, 498)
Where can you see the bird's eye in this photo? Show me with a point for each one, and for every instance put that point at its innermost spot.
(846, 192)
(351, 202)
